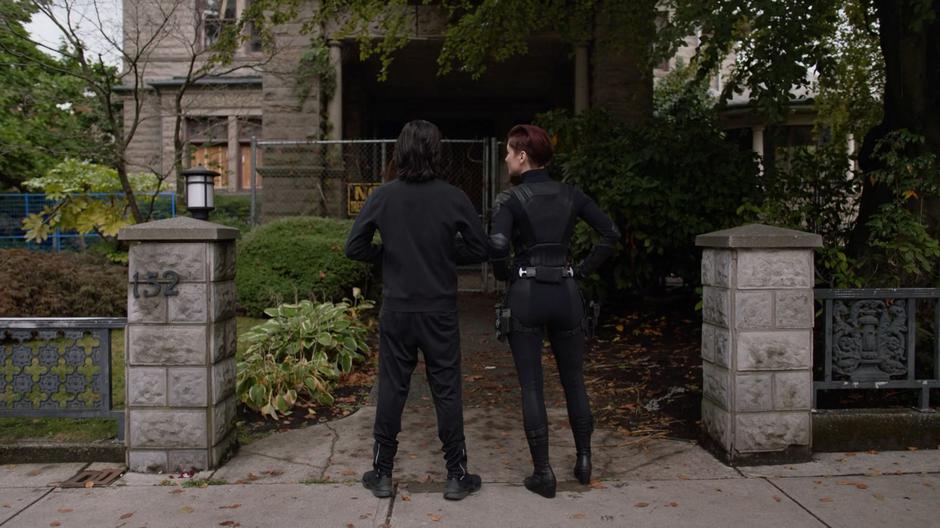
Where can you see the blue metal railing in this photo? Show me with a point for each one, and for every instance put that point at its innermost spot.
(14, 207)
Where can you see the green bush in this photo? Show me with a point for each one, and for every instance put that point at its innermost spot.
(297, 258)
(40, 284)
(663, 183)
(299, 353)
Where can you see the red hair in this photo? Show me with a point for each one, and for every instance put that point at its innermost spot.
(532, 140)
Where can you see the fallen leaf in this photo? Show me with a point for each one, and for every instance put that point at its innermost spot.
(435, 518)
(55, 523)
(349, 472)
(596, 484)
(673, 504)
(186, 509)
(230, 507)
(406, 498)
(229, 523)
(825, 499)
(34, 473)
(860, 485)
(912, 449)
(89, 484)
(776, 498)
(641, 505)
(64, 510)
(127, 515)
(579, 515)
(177, 490)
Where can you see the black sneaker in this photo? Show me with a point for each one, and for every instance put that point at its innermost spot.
(378, 483)
(459, 487)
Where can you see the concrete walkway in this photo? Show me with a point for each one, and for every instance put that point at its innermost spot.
(310, 477)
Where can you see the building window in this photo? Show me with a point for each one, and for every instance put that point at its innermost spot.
(207, 138)
(254, 36)
(216, 16)
(208, 145)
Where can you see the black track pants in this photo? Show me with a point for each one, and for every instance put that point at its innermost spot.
(401, 334)
(559, 309)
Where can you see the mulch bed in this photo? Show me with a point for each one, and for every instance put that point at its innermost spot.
(643, 374)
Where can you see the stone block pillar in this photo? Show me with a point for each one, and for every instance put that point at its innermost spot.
(180, 345)
(757, 342)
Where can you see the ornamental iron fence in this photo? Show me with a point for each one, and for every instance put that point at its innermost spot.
(870, 340)
(58, 367)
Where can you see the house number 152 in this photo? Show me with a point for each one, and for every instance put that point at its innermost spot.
(153, 283)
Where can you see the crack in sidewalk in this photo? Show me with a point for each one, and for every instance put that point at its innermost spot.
(798, 503)
(329, 460)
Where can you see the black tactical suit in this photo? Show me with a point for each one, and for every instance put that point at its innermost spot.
(418, 222)
(538, 217)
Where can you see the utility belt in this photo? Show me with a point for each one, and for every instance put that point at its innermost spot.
(549, 274)
(505, 324)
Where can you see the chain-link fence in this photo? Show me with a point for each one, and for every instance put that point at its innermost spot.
(334, 178)
(14, 207)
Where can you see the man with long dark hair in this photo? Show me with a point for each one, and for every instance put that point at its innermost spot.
(419, 216)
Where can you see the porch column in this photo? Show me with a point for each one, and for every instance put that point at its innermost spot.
(335, 107)
(757, 343)
(581, 88)
(757, 143)
(233, 154)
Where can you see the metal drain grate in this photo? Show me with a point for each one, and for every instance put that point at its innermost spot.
(93, 479)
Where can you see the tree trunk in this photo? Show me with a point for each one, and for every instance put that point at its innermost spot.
(910, 43)
(622, 77)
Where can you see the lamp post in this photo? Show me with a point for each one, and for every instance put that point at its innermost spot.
(200, 183)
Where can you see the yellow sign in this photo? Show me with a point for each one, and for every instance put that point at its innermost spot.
(356, 194)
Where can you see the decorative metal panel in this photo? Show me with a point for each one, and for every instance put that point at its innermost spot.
(869, 340)
(54, 369)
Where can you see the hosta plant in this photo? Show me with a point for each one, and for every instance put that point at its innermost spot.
(299, 353)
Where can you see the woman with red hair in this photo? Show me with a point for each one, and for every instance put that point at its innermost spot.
(532, 224)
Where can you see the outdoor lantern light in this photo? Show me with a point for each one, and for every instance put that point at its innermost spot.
(199, 189)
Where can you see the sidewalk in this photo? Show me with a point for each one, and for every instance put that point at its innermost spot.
(310, 477)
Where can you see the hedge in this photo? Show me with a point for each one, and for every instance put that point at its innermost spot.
(41, 284)
(294, 259)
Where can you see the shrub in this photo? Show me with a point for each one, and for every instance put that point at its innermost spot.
(662, 183)
(296, 258)
(299, 353)
(39, 284)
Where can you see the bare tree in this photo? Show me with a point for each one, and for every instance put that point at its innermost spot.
(152, 35)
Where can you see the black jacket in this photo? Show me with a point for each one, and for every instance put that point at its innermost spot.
(419, 251)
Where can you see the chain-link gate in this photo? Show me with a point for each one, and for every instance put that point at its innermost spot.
(334, 177)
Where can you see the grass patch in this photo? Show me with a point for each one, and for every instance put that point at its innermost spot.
(203, 483)
(68, 430)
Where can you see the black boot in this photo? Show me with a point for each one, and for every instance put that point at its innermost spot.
(379, 479)
(542, 480)
(582, 430)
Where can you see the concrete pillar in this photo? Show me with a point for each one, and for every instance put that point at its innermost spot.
(757, 342)
(335, 106)
(180, 345)
(582, 92)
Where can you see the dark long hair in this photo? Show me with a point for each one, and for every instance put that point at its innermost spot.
(418, 152)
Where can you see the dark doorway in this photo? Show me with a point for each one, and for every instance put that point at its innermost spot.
(508, 93)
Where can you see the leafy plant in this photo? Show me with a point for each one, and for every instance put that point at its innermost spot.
(70, 186)
(651, 181)
(299, 353)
